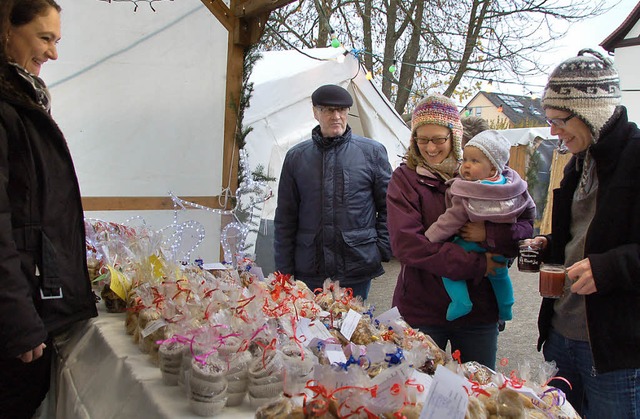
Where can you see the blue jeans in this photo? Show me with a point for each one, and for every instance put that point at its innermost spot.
(361, 289)
(476, 343)
(593, 395)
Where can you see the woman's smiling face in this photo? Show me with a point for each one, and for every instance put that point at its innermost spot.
(32, 44)
(433, 153)
(574, 133)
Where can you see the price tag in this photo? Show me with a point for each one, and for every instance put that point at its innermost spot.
(389, 316)
(153, 326)
(447, 397)
(350, 323)
(119, 283)
(420, 378)
(391, 391)
(335, 354)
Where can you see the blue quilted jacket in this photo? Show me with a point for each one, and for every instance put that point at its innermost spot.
(331, 219)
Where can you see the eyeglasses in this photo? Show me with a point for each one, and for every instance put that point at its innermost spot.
(329, 110)
(436, 140)
(559, 122)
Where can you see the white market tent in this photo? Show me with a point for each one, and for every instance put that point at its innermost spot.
(527, 136)
(281, 116)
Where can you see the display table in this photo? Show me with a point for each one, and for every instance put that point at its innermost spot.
(103, 374)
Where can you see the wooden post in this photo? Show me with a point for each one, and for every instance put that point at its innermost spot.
(245, 21)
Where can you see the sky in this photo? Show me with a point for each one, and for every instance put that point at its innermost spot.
(586, 34)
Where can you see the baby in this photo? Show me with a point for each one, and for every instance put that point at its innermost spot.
(486, 190)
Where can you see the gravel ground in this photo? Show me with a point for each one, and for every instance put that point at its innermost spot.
(517, 343)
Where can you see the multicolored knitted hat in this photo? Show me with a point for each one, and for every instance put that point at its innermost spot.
(587, 86)
(437, 109)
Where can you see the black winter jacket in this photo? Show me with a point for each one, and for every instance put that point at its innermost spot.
(42, 242)
(331, 219)
(612, 246)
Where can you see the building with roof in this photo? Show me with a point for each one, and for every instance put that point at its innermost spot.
(504, 111)
(624, 43)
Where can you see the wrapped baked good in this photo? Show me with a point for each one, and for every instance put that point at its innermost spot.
(280, 408)
(476, 372)
(365, 333)
(112, 302)
(170, 358)
(207, 386)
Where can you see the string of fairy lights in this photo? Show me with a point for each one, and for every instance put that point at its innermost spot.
(135, 3)
(249, 194)
(391, 70)
(336, 43)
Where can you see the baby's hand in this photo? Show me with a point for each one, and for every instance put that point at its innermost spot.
(474, 232)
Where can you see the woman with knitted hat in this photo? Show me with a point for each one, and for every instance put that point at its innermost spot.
(593, 331)
(415, 200)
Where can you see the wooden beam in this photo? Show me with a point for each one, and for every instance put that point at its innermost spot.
(249, 30)
(235, 61)
(222, 13)
(145, 203)
(255, 8)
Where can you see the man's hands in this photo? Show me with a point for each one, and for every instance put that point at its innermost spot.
(582, 276)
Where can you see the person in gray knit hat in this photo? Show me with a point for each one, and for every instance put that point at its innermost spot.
(486, 190)
(592, 332)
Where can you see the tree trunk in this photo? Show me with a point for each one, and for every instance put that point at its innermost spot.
(325, 10)
(365, 9)
(410, 57)
(476, 20)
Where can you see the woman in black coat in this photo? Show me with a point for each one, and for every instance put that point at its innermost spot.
(44, 284)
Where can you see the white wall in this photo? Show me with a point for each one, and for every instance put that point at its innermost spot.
(627, 61)
(140, 98)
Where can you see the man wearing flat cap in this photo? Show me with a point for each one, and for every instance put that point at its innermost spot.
(331, 219)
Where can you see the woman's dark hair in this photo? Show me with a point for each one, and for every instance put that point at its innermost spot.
(18, 13)
(24, 11)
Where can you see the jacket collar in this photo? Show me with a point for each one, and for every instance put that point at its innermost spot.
(614, 136)
(15, 90)
(325, 143)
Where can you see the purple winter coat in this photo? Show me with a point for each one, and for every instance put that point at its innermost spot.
(414, 202)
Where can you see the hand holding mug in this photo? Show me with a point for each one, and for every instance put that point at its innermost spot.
(582, 276)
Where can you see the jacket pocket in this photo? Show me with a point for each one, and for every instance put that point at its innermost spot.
(361, 254)
(50, 278)
(305, 254)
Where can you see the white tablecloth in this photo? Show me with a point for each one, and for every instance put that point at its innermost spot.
(103, 375)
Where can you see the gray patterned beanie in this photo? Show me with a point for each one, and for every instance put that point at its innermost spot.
(493, 145)
(587, 86)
